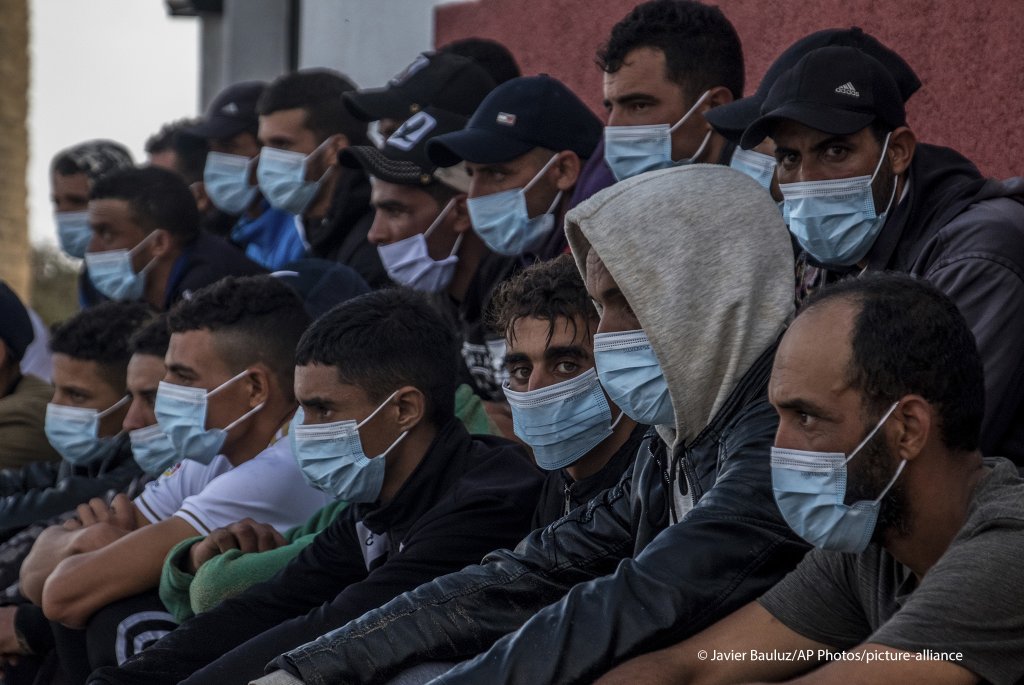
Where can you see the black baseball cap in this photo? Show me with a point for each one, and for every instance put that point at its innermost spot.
(403, 157)
(443, 80)
(732, 119)
(322, 284)
(518, 116)
(837, 90)
(15, 326)
(233, 111)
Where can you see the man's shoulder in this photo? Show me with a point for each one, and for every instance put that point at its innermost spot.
(999, 498)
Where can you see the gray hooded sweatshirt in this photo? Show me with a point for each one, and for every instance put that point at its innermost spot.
(707, 267)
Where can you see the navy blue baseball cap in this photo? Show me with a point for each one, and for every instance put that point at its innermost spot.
(518, 116)
(732, 119)
(443, 80)
(837, 90)
(403, 160)
(233, 111)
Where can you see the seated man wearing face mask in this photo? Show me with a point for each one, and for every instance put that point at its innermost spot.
(83, 420)
(732, 119)
(582, 440)
(27, 632)
(665, 64)
(422, 231)
(303, 126)
(861, 194)
(146, 244)
(692, 531)
(73, 172)
(225, 406)
(269, 236)
(375, 378)
(879, 390)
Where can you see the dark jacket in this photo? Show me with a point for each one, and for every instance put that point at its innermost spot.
(483, 352)
(42, 490)
(467, 496)
(206, 260)
(611, 580)
(340, 236)
(561, 494)
(965, 234)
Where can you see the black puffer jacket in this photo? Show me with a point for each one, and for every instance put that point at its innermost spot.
(612, 580)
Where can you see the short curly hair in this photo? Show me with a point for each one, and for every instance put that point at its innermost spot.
(254, 319)
(151, 339)
(101, 334)
(385, 339)
(546, 291)
(702, 49)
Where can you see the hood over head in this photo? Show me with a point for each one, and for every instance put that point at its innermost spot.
(703, 257)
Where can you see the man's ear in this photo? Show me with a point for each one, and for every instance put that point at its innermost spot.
(459, 216)
(162, 243)
(335, 144)
(567, 169)
(412, 407)
(913, 424)
(259, 379)
(717, 96)
(902, 143)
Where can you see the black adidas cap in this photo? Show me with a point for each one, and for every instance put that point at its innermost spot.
(443, 80)
(403, 157)
(732, 119)
(518, 116)
(233, 111)
(837, 90)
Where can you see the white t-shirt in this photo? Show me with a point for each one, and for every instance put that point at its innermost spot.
(269, 488)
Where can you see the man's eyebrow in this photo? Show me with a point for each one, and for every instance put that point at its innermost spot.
(556, 351)
(627, 98)
(317, 402)
(515, 358)
(390, 205)
(831, 140)
(181, 370)
(804, 406)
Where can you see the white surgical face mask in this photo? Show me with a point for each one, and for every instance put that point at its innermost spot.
(632, 150)
(112, 274)
(408, 262)
(503, 222)
(835, 220)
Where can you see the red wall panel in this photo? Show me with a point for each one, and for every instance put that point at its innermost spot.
(969, 55)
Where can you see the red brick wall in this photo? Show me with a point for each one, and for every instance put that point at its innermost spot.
(969, 55)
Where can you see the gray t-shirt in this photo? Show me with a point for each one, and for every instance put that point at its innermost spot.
(971, 601)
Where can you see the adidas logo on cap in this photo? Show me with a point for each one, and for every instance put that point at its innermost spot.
(848, 89)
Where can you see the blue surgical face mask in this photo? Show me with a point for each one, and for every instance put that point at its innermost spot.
(181, 414)
(632, 150)
(810, 489)
(332, 459)
(73, 232)
(408, 261)
(282, 178)
(153, 450)
(74, 432)
(756, 165)
(503, 222)
(835, 221)
(632, 377)
(112, 274)
(226, 179)
(562, 422)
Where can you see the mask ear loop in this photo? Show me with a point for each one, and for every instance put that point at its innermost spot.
(892, 481)
(689, 112)
(437, 222)
(111, 409)
(151, 262)
(376, 411)
(533, 182)
(228, 382)
(878, 167)
(874, 430)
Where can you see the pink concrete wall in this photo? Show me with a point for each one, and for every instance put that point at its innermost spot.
(969, 55)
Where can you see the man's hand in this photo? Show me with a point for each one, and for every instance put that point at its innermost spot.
(246, 536)
(120, 513)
